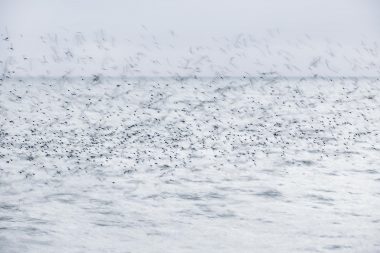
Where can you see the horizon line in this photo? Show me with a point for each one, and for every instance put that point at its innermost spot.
(184, 77)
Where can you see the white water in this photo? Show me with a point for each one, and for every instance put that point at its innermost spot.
(231, 165)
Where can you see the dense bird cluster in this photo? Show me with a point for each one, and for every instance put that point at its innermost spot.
(163, 126)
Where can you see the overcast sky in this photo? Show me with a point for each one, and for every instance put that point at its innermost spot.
(196, 17)
(184, 22)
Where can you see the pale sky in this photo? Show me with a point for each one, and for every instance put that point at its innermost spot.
(333, 18)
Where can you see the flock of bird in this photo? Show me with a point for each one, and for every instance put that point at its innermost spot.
(164, 125)
(172, 54)
(128, 158)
